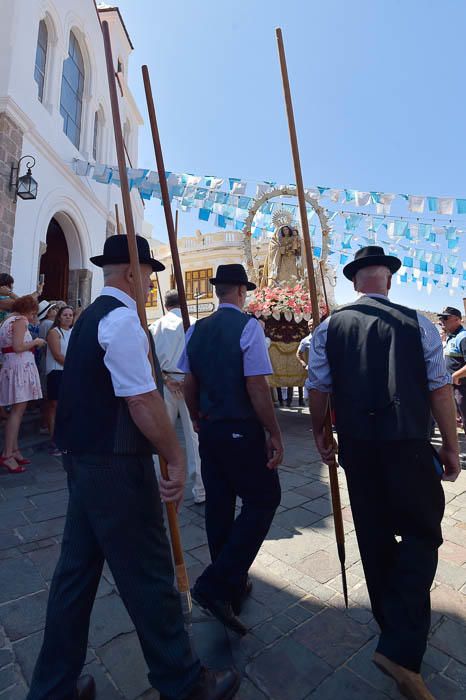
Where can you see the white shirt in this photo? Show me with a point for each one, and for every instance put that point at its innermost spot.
(50, 362)
(126, 347)
(168, 333)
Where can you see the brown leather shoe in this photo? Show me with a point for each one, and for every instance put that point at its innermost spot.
(85, 688)
(410, 684)
(216, 685)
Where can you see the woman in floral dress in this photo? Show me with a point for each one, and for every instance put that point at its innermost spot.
(19, 378)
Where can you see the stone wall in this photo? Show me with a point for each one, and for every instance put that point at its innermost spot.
(79, 287)
(11, 142)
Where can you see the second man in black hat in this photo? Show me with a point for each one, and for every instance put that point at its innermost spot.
(226, 362)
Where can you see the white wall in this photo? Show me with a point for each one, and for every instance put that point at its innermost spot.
(86, 203)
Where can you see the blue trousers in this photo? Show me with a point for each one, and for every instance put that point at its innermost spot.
(233, 464)
(114, 514)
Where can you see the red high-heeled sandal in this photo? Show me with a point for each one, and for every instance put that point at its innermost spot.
(22, 461)
(12, 470)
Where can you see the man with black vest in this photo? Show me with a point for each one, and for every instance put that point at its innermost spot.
(226, 362)
(110, 417)
(384, 365)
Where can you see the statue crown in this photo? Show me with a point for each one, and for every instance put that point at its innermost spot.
(282, 218)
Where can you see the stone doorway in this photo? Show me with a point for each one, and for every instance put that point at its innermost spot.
(55, 264)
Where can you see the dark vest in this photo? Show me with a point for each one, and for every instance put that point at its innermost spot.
(90, 418)
(216, 360)
(379, 379)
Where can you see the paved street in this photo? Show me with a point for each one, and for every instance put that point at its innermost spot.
(302, 643)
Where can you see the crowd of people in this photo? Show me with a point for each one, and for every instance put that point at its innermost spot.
(33, 342)
(388, 374)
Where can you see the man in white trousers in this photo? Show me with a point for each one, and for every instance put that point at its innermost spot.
(168, 333)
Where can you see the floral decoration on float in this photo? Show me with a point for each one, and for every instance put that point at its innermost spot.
(285, 309)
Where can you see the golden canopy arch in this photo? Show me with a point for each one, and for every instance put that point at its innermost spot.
(286, 191)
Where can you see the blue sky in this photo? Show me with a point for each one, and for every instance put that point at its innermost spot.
(377, 88)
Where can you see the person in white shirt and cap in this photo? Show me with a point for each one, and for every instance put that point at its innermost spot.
(168, 333)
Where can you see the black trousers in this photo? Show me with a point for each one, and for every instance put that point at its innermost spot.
(394, 489)
(233, 463)
(114, 514)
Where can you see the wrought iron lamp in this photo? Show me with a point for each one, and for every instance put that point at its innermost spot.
(25, 186)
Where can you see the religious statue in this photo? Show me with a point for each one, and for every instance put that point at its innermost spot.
(283, 263)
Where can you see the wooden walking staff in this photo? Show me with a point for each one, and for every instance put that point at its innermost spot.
(117, 216)
(182, 577)
(336, 503)
(180, 568)
(172, 232)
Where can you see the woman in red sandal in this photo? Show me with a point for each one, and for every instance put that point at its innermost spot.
(19, 378)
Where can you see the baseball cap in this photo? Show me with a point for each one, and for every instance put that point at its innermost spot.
(450, 311)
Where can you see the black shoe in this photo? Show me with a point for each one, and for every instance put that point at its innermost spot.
(220, 609)
(216, 685)
(288, 403)
(237, 605)
(85, 688)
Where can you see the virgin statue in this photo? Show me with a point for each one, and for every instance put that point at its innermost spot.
(283, 263)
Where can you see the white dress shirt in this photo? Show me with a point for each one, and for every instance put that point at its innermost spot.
(126, 347)
(168, 335)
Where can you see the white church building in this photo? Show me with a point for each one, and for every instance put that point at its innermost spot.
(55, 108)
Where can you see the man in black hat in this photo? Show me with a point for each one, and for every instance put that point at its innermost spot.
(455, 355)
(385, 367)
(110, 417)
(226, 362)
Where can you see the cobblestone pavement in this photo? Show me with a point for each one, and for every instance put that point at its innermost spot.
(302, 644)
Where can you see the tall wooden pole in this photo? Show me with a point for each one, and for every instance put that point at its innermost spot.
(166, 199)
(336, 502)
(117, 216)
(180, 568)
(176, 224)
(321, 267)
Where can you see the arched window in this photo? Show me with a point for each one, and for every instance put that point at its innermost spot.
(41, 58)
(96, 137)
(72, 87)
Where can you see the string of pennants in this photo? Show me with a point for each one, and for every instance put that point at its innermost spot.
(437, 263)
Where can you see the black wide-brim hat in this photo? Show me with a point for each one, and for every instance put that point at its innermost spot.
(116, 252)
(232, 274)
(369, 256)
